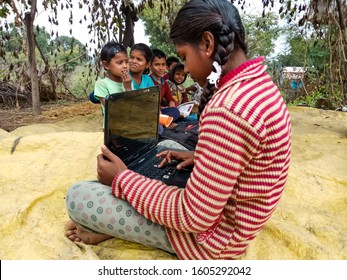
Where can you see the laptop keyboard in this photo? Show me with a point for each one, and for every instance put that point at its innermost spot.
(150, 169)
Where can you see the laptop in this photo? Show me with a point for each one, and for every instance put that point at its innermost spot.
(132, 133)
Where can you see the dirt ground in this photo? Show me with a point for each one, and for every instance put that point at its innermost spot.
(51, 113)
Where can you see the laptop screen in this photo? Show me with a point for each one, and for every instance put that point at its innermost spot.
(131, 122)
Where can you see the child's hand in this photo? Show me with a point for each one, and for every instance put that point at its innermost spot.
(108, 166)
(172, 104)
(186, 158)
(126, 78)
(191, 88)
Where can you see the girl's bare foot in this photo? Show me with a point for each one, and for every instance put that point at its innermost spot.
(77, 234)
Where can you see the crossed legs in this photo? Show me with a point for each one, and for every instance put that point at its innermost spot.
(96, 215)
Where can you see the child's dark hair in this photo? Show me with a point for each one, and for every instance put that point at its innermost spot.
(177, 67)
(156, 53)
(222, 19)
(146, 50)
(171, 59)
(110, 49)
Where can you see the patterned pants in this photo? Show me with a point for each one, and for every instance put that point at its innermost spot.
(92, 206)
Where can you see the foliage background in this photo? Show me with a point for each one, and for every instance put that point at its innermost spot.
(68, 69)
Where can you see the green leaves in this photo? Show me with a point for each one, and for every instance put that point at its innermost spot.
(4, 11)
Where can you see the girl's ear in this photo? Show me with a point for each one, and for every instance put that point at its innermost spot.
(207, 43)
(104, 64)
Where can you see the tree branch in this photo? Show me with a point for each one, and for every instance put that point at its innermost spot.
(83, 54)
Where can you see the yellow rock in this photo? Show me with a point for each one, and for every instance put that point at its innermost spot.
(40, 162)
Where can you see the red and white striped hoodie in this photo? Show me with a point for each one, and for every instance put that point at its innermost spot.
(240, 168)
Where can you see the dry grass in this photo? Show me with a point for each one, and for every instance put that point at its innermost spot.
(51, 113)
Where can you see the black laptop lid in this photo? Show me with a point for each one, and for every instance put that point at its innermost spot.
(131, 122)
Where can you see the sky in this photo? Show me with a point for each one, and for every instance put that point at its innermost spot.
(80, 31)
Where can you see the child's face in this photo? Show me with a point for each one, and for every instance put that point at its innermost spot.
(196, 62)
(179, 76)
(117, 65)
(137, 62)
(158, 67)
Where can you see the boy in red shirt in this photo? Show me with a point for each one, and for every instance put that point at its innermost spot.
(158, 67)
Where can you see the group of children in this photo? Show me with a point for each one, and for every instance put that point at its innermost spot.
(144, 67)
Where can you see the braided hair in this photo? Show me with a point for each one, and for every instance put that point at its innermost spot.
(222, 19)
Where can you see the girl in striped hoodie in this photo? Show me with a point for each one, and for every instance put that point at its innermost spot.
(240, 164)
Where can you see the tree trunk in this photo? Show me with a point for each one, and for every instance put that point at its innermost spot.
(342, 23)
(333, 14)
(35, 91)
(130, 18)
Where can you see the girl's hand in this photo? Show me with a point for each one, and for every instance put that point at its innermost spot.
(108, 166)
(126, 78)
(172, 104)
(102, 100)
(186, 158)
(191, 89)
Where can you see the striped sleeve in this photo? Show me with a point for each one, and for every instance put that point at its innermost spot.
(226, 145)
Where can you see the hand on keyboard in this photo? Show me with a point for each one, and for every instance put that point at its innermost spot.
(185, 158)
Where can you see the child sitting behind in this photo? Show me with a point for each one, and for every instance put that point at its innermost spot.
(158, 67)
(171, 61)
(176, 79)
(139, 63)
(114, 59)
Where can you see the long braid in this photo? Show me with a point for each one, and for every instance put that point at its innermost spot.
(224, 48)
(222, 19)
